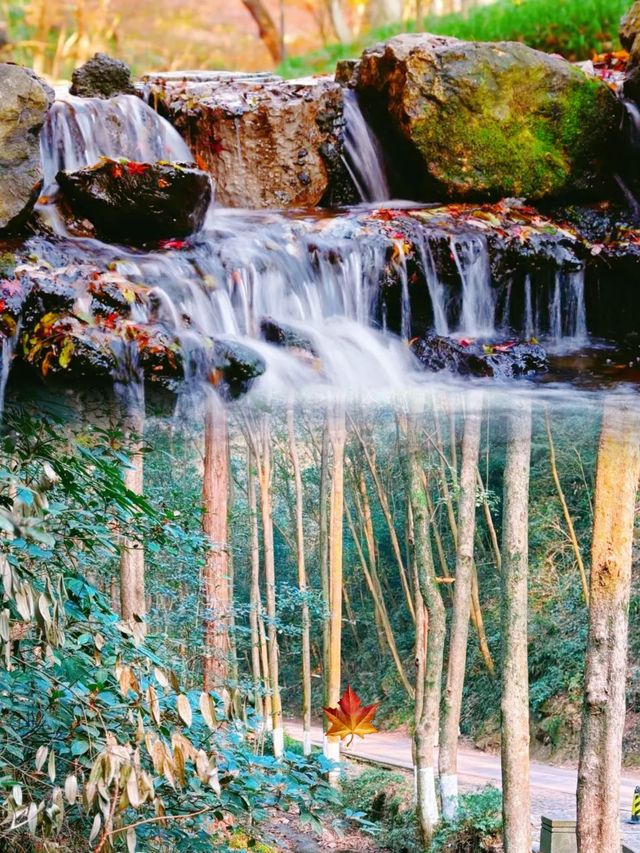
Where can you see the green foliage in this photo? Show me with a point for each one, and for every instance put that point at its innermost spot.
(100, 740)
(385, 800)
(568, 27)
(477, 827)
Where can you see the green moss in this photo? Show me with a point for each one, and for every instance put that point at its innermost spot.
(508, 130)
(241, 841)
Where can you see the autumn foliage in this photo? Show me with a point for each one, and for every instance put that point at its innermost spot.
(351, 717)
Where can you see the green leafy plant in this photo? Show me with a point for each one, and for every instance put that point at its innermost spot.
(478, 826)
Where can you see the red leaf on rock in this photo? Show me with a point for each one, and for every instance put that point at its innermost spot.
(137, 168)
(173, 244)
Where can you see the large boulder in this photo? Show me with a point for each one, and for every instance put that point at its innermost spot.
(489, 120)
(267, 142)
(102, 77)
(130, 201)
(24, 101)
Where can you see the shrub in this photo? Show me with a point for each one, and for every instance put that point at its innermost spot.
(478, 826)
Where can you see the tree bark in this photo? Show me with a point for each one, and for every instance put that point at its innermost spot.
(459, 634)
(427, 726)
(255, 599)
(302, 586)
(618, 469)
(267, 29)
(336, 434)
(215, 579)
(266, 508)
(515, 679)
(132, 593)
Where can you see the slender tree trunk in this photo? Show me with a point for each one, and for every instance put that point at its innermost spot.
(427, 727)
(618, 469)
(267, 29)
(336, 434)
(462, 600)
(323, 552)
(270, 583)
(515, 679)
(565, 511)
(255, 600)
(379, 606)
(215, 579)
(339, 22)
(386, 511)
(302, 586)
(132, 595)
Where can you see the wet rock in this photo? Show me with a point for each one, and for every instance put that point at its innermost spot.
(24, 101)
(488, 120)
(267, 142)
(285, 336)
(138, 201)
(102, 77)
(505, 361)
(236, 367)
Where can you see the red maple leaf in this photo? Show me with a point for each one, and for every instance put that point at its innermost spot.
(351, 718)
(137, 168)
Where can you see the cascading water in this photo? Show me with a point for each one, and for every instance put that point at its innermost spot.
(363, 153)
(324, 278)
(79, 131)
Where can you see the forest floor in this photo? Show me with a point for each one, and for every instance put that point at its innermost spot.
(553, 787)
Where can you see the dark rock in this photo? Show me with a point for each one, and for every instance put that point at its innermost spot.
(102, 77)
(138, 201)
(507, 361)
(285, 336)
(249, 129)
(237, 366)
(490, 120)
(24, 101)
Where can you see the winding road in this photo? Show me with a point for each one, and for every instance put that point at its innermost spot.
(553, 788)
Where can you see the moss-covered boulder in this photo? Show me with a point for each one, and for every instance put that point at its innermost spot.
(489, 120)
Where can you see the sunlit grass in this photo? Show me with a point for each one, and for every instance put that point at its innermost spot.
(573, 28)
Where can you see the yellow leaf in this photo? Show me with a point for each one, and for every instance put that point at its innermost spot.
(184, 709)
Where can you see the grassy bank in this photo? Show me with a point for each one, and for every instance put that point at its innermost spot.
(573, 28)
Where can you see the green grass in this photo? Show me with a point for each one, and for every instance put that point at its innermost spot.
(573, 28)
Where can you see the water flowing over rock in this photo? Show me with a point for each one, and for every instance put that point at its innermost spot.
(102, 77)
(489, 120)
(24, 101)
(134, 201)
(267, 142)
(500, 361)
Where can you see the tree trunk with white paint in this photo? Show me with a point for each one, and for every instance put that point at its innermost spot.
(427, 726)
(336, 436)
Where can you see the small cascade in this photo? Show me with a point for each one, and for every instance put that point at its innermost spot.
(477, 314)
(363, 153)
(79, 131)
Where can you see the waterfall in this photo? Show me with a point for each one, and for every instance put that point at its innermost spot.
(471, 257)
(363, 153)
(79, 131)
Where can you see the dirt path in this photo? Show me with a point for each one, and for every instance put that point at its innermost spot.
(553, 788)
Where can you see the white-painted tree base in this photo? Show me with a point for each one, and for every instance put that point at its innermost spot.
(306, 743)
(427, 800)
(449, 795)
(331, 750)
(277, 736)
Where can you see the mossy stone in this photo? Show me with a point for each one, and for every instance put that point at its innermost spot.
(489, 120)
